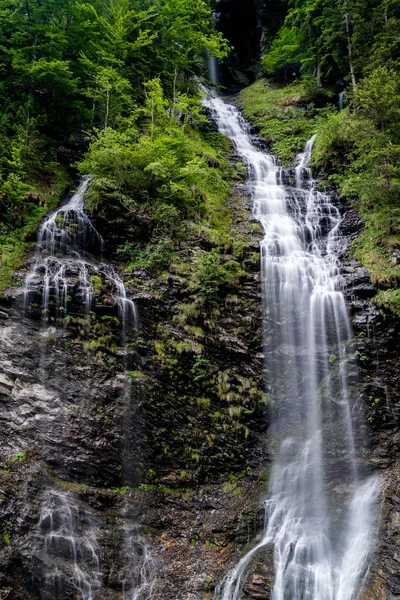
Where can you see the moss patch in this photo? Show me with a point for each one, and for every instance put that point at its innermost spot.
(14, 245)
(284, 116)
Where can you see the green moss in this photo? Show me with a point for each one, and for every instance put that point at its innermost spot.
(135, 374)
(389, 299)
(121, 490)
(358, 149)
(6, 534)
(19, 457)
(284, 116)
(375, 246)
(97, 283)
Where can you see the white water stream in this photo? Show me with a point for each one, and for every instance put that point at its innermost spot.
(341, 100)
(140, 568)
(69, 538)
(66, 258)
(319, 513)
(64, 272)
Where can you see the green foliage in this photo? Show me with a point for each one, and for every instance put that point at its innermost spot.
(335, 40)
(361, 146)
(389, 299)
(69, 69)
(120, 490)
(284, 51)
(159, 167)
(285, 116)
(363, 358)
(6, 534)
(212, 273)
(377, 97)
(20, 221)
(153, 159)
(19, 457)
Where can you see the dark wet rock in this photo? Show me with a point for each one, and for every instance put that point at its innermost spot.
(65, 424)
(50, 401)
(377, 349)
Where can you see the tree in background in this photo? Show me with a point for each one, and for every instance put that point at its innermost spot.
(70, 66)
(336, 40)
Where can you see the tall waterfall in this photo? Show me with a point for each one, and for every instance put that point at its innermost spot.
(67, 261)
(319, 512)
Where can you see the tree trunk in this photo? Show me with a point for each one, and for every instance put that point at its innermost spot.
(107, 109)
(26, 140)
(174, 92)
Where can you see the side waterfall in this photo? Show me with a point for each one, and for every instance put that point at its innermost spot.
(64, 268)
(70, 545)
(66, 250)
(319, 513)
(341, 100)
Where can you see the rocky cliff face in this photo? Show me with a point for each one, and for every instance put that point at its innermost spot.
(164, 433)
(160, 444)
(377, 348)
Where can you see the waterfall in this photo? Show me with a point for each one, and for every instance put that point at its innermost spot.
(140, 569)
(319, 512)
(71, 552)
(68, 256)
(213, 70)
(341, 99)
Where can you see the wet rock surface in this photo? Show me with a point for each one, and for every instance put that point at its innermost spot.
(69, 427)
(377, 352)
(50, 397)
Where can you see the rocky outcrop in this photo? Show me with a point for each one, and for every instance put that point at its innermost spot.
(55, 400)
(377, 350)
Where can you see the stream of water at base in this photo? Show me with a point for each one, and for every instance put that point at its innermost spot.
(319, 512)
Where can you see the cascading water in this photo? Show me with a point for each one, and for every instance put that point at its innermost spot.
(341, 99)
(65, 243)
(140, 569)
(71, 551)
(319, 514)
(213, 70)
(64, 265)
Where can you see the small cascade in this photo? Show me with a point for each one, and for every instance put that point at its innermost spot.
(139, 576)
(213, 70)
(68, 250)
(71, 551)
(319, 512)
(62, 242)
(66, 264)
(127, 313)
(341, 100)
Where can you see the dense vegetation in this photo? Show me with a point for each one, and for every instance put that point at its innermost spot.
(339, 41)
(112, 81)
(104, 74)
